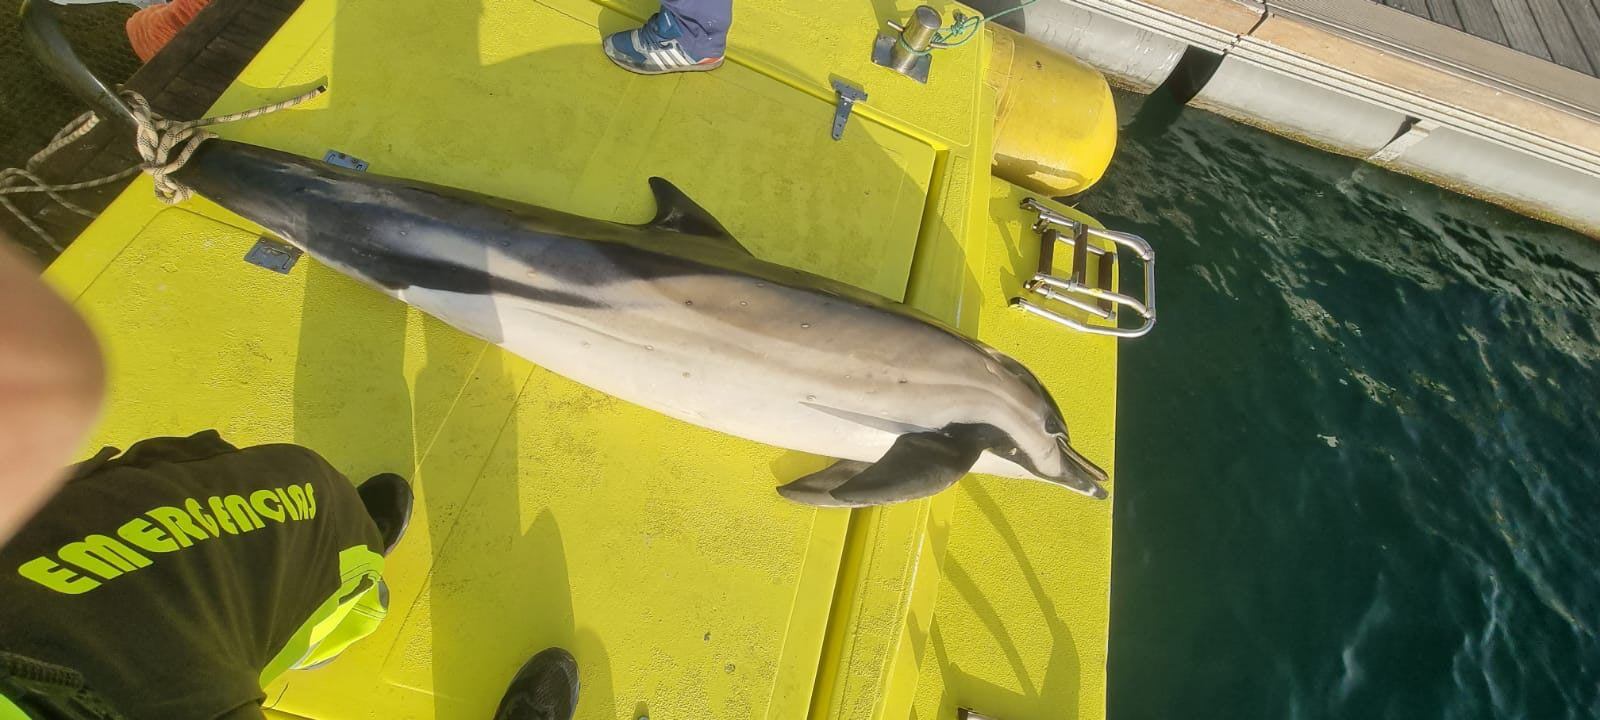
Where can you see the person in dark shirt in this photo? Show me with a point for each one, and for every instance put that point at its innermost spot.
(177, 579)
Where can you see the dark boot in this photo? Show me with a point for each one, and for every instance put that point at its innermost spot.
(546, 688)
(388, 501)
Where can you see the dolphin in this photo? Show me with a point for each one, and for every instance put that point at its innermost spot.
(673, 315)
(678, 317)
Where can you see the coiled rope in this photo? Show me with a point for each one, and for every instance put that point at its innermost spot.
(164, 146)
(962, 30)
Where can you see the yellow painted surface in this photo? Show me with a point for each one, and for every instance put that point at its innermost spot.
(1020, 629)
(888, 582)
(549, 514)
(1019, 570)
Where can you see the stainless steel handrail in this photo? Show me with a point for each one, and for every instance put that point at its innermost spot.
(1054, 227)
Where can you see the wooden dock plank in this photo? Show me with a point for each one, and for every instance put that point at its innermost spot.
(205, 76)
(1478, 17)
(1522, 30)
(1565, 49)
(1565, 32)
(1585, 18)
(1418, 8)
(1444, 12)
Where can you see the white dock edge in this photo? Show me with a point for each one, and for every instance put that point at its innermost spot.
(1369, 81)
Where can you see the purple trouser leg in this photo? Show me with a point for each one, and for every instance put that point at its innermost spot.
(705, 24)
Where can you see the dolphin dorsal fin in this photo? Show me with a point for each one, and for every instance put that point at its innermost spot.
(676, 212)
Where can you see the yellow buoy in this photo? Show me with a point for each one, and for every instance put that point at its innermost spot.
(1055, 125)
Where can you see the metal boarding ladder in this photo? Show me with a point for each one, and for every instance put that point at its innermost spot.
(1076, 291)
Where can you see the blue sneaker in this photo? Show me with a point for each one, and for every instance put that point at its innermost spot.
(654, 49)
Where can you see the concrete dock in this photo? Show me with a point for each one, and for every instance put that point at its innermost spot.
(1494, 98)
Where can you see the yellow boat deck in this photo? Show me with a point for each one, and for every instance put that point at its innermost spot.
(549, 514)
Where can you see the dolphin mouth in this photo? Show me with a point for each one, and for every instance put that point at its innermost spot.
(1082, 476)
(1081, 463)
(1082, 486)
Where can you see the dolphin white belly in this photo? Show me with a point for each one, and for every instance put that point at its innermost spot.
(694, 361)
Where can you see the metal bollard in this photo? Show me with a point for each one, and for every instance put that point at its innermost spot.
(917, 36)
(905, 50)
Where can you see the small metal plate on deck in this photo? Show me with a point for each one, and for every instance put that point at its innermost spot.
(334, 157)
(848, 96)
(273, 255)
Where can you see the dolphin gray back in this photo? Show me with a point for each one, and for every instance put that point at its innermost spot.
(399, 233)
(403, 233)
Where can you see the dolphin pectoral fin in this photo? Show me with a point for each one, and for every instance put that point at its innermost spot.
(813, 489)
(676, 212)
(918, 465)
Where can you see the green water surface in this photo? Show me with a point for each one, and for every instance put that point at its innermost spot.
(1357, 459)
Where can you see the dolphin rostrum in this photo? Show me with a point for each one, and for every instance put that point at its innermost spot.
(675, 315)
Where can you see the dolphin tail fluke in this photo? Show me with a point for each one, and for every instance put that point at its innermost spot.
(918, 465)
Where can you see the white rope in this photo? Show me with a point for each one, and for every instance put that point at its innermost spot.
(11, 177)
(156, 139)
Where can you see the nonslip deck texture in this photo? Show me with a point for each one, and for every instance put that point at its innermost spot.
(1566, 32)
(182, 81)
